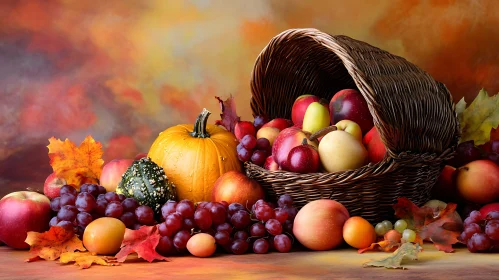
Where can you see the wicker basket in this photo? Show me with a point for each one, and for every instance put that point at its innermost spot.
(413, 113)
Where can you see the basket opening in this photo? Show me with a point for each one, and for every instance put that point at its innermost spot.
(312, 68)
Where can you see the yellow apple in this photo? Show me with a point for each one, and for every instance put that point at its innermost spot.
(350, 127)
(340, 150)
(268, 132)
(316, 117)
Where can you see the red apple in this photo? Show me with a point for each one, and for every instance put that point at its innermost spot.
(270, 164)
(287, 140)
(300, 107)
(21, 212)
(349, 104)
(445, 188)
(319, 224)
(279, 123)
(243, 128)
(111, 173)
(303, 159)
(478, 181)
(53, 185)
(376, 150)
(235, 186)
(489, 208)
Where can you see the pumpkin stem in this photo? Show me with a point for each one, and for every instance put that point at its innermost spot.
(200, 125)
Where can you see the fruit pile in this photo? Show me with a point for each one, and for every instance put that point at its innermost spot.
(306, 143)
(214, 206)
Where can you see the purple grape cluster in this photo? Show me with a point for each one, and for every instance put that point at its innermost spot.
(75, 210)
(481, 234)
(235, 228)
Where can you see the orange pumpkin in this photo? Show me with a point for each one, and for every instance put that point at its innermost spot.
(194, 156)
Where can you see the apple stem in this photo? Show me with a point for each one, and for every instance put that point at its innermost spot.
(322, 132)
(304, 141)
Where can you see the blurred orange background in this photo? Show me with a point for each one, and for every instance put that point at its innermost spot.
(122, 71)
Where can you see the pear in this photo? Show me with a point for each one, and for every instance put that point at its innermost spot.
(340, 151)
(316, 117)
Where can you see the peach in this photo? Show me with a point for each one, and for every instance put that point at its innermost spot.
(478, 181)
(103, 236)
(358, 232)
(319, 224)
(202, 245)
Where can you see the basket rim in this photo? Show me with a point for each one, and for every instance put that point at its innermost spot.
(358, 76)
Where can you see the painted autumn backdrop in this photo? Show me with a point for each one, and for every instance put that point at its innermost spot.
(123, 71)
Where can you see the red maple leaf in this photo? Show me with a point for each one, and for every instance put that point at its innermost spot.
(229, 115)
(442, 228)
(143, 242)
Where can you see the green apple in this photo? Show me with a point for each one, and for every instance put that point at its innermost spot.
(340, 151)
(350, 127)
(316, 117)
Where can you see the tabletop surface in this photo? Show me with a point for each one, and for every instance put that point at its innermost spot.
(343, 263)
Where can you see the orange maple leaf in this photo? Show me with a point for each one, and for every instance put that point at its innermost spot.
(143, 242)
(51, 244)
(443, 229)
(383, 245)
(86, 259)
(77, 165)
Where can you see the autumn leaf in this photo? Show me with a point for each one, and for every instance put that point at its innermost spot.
(406, 250)
(479, 118)
(51, 244)
(77, 165)
(383, 245)
(143, 242)
(86, 259)
(442, 228)
(229, 115)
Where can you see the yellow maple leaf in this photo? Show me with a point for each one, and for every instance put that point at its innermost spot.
(86, 259)
(77, 165)
(51, 244)
(479, 118)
